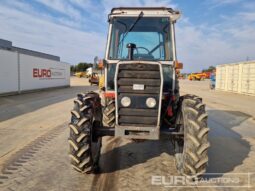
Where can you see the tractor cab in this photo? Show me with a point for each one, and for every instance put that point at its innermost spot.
(141, 34)
(140, 98)
(140, 37)
(140, 67)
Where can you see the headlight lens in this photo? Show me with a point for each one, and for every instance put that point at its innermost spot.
(125, 101)
(151, 102)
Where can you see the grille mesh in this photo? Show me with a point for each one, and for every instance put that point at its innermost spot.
(138, 113)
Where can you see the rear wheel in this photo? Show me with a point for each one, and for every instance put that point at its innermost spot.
(84, 146)
(191, 150)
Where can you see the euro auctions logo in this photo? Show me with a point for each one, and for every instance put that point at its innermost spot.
(49, 73)
(41, 73)
(208, 180)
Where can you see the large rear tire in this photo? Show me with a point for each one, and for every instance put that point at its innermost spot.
(191, 151)
(84, 147)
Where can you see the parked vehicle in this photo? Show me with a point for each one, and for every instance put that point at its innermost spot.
(140, 98)
(80, 74)
(94, 79)
(89, 72)
(197, 76)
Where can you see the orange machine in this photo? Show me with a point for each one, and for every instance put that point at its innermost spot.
(199, 76)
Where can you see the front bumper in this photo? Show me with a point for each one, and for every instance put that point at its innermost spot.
(133, 132)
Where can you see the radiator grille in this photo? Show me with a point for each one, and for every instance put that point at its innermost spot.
(138, 114)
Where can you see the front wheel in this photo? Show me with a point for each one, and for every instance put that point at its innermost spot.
(191, 150)
(109, 113)
(84, 148)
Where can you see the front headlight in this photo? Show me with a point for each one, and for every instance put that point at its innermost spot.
(125, 101)
(151, 102)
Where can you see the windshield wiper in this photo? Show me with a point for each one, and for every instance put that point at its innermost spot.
(131, 28)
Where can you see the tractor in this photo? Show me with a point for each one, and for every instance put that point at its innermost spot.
(140, 98)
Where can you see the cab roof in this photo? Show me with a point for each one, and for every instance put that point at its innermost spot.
(147, 11)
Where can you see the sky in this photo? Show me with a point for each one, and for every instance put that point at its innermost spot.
(210, 32)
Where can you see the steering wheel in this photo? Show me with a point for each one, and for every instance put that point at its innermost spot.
(142, 48)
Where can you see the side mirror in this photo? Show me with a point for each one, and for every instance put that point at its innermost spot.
(178, 65)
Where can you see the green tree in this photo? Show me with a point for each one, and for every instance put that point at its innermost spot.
(80, 67)
(210, 69)
(83, 66)
(73, 69)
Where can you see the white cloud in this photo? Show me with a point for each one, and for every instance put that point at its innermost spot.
(79, 37)
(42, 35)
(250, 5)
(29, 9)
(218, 3)
(247, 16)
(83, 4)
(200, 46)
(63, 7)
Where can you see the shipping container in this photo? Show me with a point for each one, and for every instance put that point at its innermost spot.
(21, 72)
(39, 73)
(236, 77)
(8, 72)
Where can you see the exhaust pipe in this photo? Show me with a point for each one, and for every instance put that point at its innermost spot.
(131, 48)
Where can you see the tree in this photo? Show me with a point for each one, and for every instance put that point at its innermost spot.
(73, 69)
(81, 67)
(210, 69)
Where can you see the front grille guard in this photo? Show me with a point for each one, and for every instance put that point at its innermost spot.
(137, 132)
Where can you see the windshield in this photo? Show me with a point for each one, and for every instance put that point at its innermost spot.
(151, 35)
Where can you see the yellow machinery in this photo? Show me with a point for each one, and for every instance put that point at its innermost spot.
(80, 74)
(197, 76)
(101, 82)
